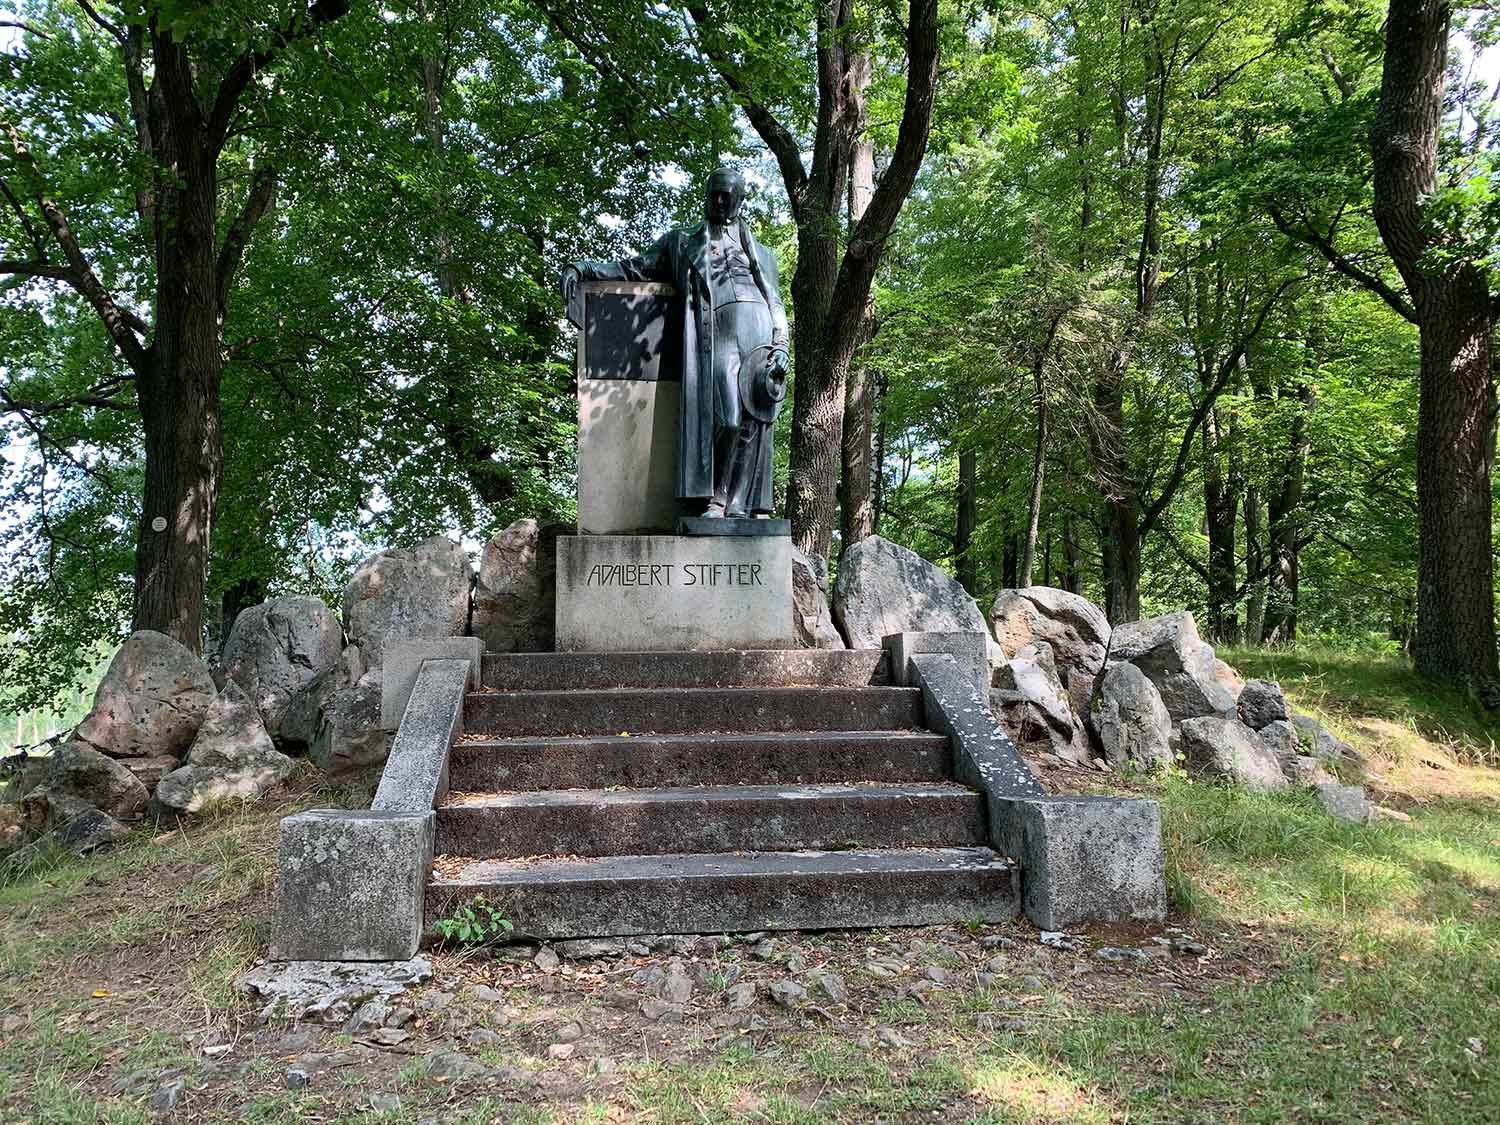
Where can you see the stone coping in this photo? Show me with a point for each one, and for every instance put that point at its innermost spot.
(1082, 858)
(415, 778)
(350, 883)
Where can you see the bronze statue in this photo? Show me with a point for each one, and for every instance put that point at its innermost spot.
(734, 348)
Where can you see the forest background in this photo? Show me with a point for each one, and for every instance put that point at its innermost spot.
(1170, 304)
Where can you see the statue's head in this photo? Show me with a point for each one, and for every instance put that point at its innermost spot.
(726, 191)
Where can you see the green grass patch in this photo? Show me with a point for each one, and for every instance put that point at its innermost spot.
(1347, 687)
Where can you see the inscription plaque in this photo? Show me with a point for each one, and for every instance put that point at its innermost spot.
(642, 593)
(625, 333)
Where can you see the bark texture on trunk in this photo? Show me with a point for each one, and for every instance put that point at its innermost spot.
(178, 388)
(1010, 561)
(1284, 528)
(857, 498)
(1120, 500)
(965, 556)
(1255, 565)
(1038, 454)
(1221, 515)
(1072, 580)
(1455, 635)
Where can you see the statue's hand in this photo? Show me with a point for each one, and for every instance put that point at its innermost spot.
(572, 307)
(777, 363)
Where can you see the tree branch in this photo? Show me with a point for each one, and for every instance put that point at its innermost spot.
(108, 26)
(778, 138)
(1308, 236)
(9, 405)
(1182, 553)
(22, 25)
(42, 409)
(262, 195)
(36, 269)
(911, 138)
(37, 244)
(120, 324)
(244, 68)
(131, 48)
(1226, 371)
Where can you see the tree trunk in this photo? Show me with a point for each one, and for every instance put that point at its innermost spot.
(178, 393)
(830, 291)
(965, 557)
(1072, 556)
(244, 594)
(1038, 463)
(1010, 557)
(1120, 492)
(878, 470)
(1455, 635)
(1255, 592)
(1285, 521)
(858, 508)
(1120, 554)
(1221, 514)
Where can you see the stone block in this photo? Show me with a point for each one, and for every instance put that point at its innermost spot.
(627, 456)
(629, 373)
(402, 661)
(983, 756)
(350, 884)
(970, 650)
(416, 774)
(1085, 859)
(640, 593)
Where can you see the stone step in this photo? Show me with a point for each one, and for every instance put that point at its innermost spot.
(690, 710)
(718, 893)
(556, 671)
(698, 759)
(598, 822)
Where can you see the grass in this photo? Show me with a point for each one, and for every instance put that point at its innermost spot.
(1352, 974)
(1370, 696)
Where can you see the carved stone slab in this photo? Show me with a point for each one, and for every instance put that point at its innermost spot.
(643, 593)
(629, 394)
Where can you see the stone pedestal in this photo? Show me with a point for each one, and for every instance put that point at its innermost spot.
(644, 593)
(629, 396)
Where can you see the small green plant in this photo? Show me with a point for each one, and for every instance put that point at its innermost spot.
(476, 922)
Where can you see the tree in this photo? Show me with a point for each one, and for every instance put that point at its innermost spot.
(188, 73)
(1450, 291)
(1437, 225)
(830, 288)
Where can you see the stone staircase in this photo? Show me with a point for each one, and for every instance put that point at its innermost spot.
(625, 793)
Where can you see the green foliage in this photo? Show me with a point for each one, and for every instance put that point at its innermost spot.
(476, 922)
(393, 360)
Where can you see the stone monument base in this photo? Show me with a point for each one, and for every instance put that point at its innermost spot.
(673, 593)
(731, 525)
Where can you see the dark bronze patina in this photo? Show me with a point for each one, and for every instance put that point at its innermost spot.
(734, 348)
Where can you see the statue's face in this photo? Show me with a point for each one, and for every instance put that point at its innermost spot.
(726, 191)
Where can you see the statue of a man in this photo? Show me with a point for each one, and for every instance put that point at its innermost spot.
(734, 348)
